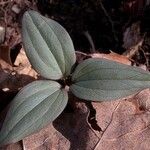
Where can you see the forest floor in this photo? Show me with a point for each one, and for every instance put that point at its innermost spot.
(117, 30)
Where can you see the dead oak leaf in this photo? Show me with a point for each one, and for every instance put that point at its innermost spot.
(113, 56)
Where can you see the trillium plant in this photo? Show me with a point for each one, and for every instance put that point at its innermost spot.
(50, 50)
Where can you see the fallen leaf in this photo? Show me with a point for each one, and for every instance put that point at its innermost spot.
(113, 56)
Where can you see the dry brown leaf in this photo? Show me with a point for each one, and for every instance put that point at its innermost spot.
(113, 56)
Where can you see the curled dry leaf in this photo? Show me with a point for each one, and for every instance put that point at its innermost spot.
(111, 56)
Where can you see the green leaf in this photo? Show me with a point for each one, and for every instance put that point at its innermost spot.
(36, 105)
(100, 79)
(47, 45)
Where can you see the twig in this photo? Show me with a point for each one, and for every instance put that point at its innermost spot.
(78, 52)
(89, 38)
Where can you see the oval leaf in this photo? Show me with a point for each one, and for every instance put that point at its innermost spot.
(36, 105)
(101, 79)
(47, 45)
